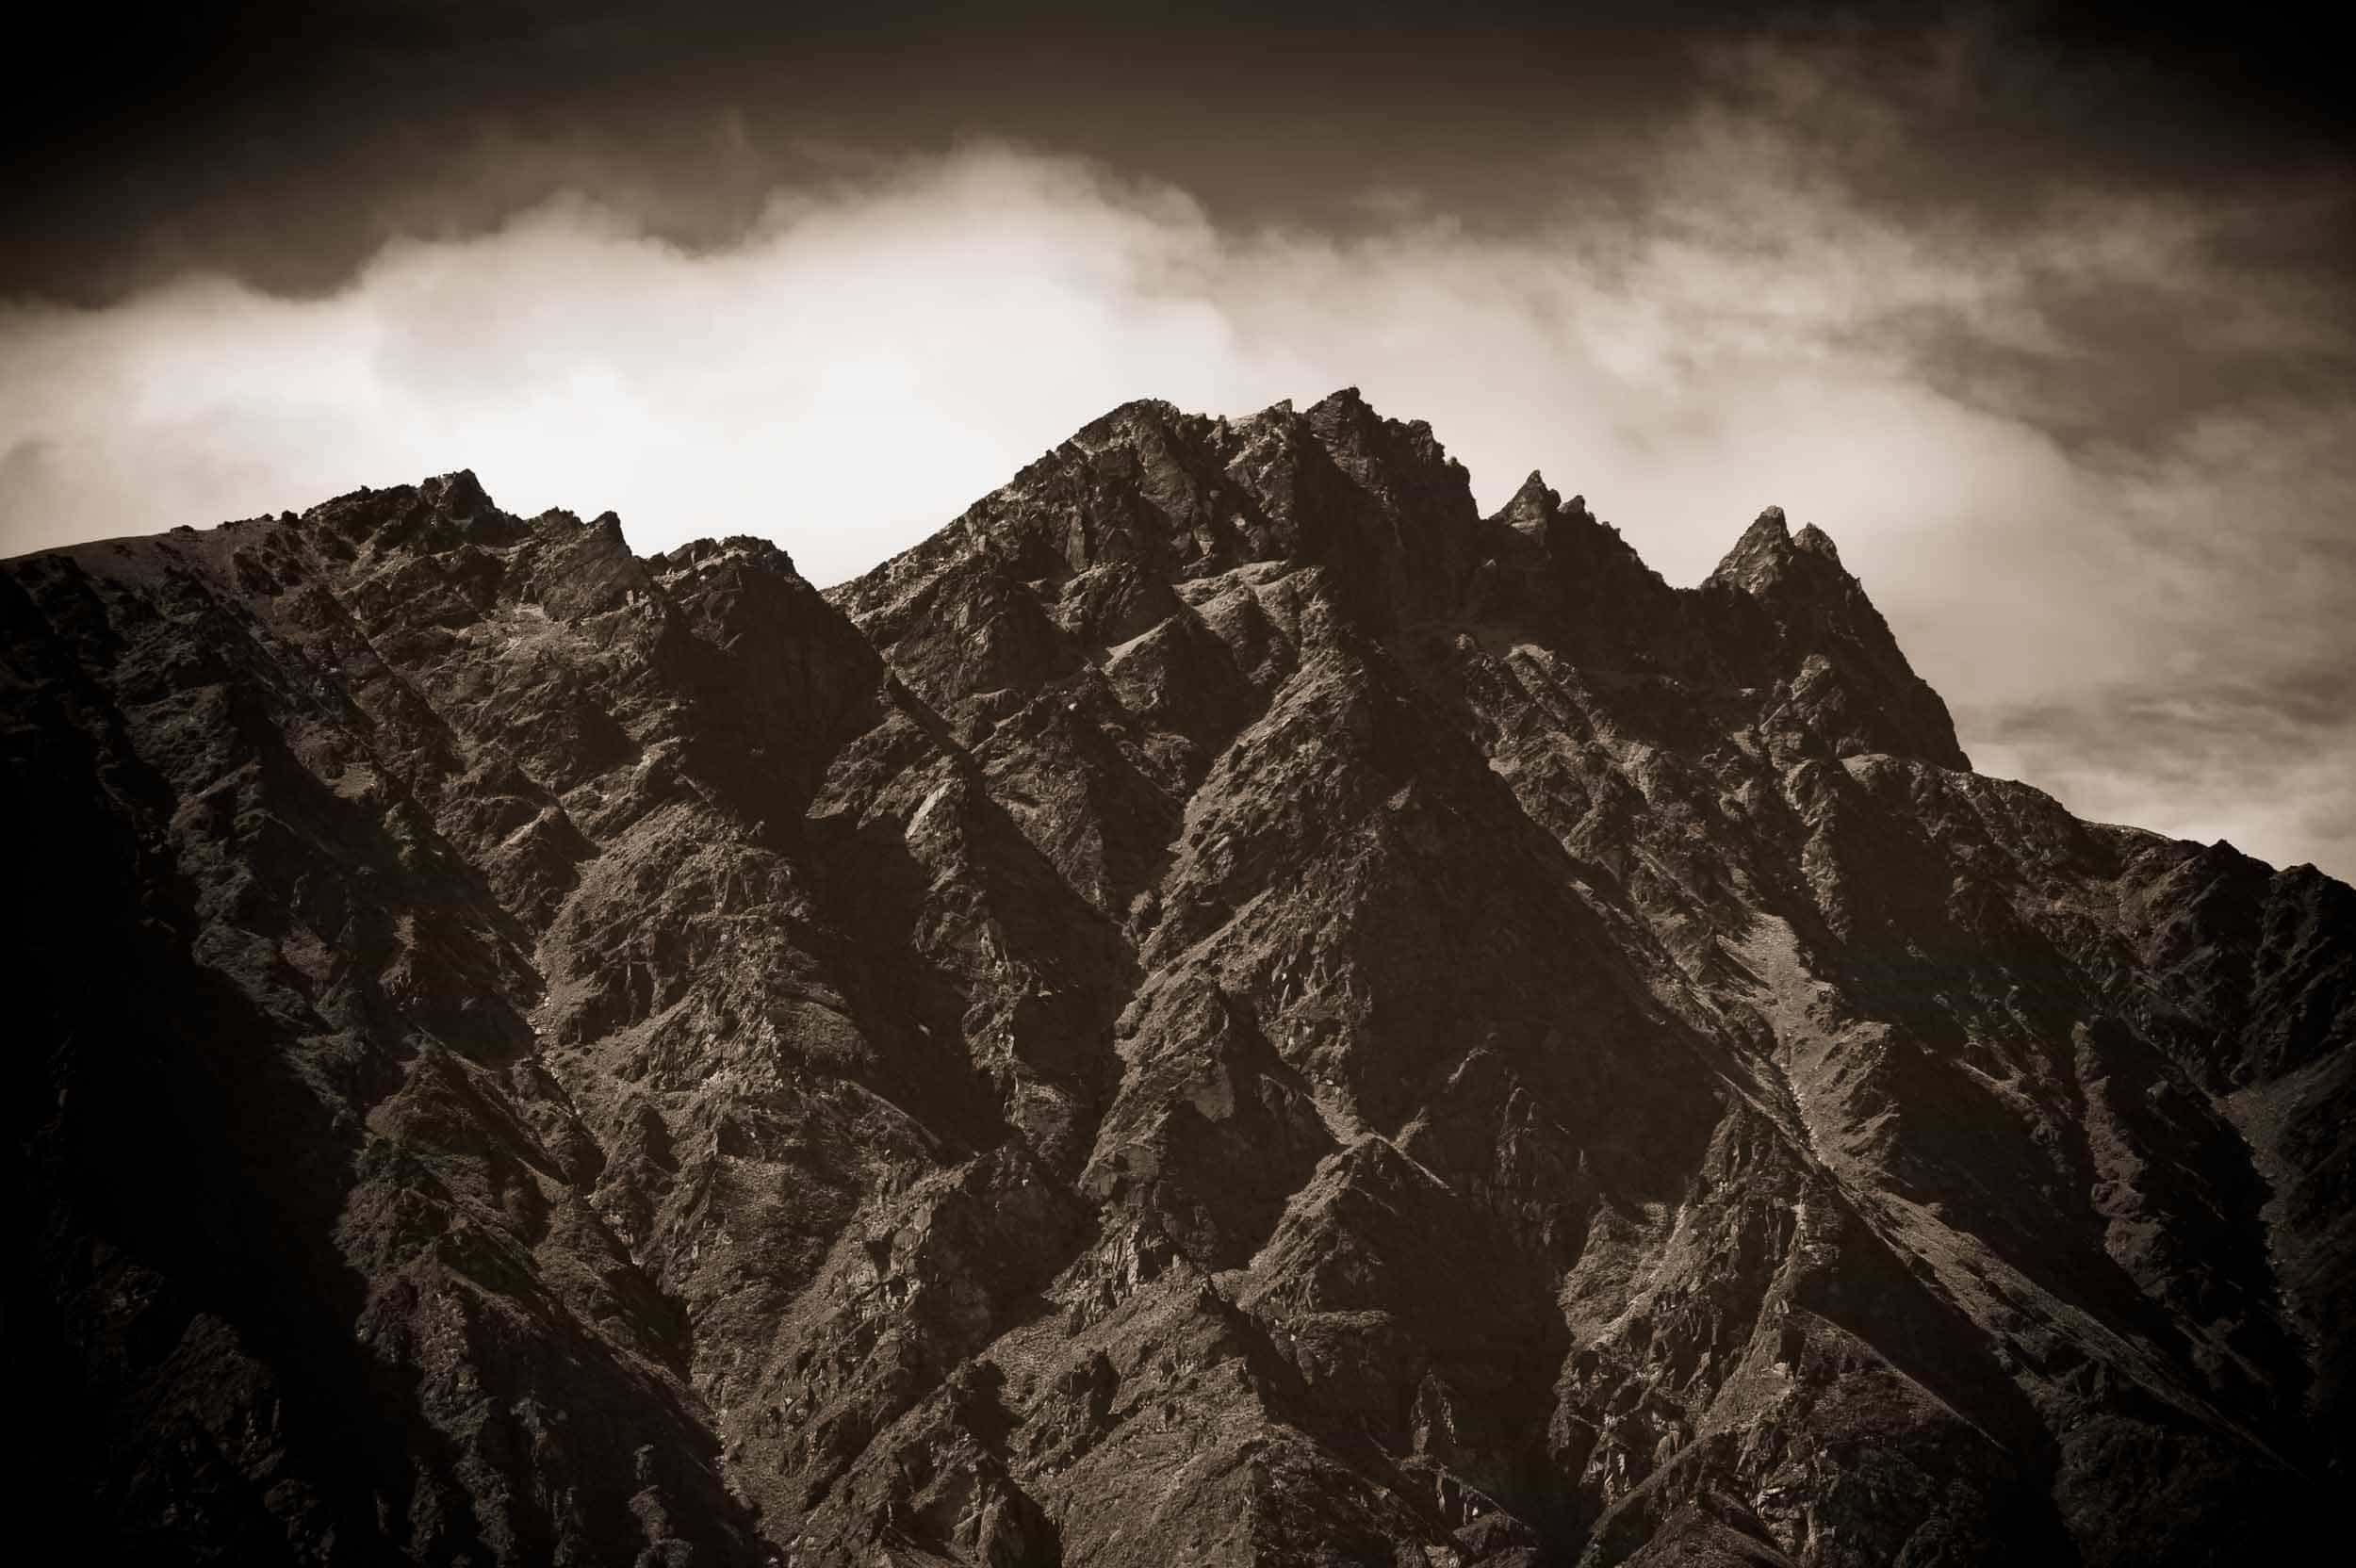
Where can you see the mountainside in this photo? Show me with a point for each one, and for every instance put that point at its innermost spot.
(1223, 1009)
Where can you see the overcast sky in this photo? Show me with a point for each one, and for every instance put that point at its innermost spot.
(2048, 318)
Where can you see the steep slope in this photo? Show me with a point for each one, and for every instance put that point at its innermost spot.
(1224, 1008)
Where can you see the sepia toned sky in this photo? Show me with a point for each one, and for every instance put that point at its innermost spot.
(2047, 314)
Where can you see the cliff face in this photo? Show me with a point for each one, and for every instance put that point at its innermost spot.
(1224, 1008)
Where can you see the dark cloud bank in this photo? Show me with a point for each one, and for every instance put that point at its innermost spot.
(2045, 314)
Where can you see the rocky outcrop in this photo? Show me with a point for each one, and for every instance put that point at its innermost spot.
(1225, 1008)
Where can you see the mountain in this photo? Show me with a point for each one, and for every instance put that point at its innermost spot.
(1225, 1008)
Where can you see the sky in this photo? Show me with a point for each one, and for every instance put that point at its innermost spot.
(2047, 315)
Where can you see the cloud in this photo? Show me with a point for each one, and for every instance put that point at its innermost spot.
(2144, 614)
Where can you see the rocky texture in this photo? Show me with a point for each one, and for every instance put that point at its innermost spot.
(1223, 1009)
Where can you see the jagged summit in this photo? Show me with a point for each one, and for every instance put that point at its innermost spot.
(1758, 554)
(1815, 541)
(1532, 507)
(1763, 556)
(460, 491)
(1224, 1008)
(1147, 499)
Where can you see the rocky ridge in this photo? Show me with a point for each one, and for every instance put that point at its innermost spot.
(1224, 1008)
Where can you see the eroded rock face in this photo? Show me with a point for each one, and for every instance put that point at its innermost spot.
(1223, 1009)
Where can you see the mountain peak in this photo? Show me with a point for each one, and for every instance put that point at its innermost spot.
(1758, 554)
(1763, 560)
(459, 493)
(1134, 413)
(1218, 953)
(1378, 506)
(1534, 507)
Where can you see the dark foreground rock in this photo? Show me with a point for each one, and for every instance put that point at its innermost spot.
(1225, 1008)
